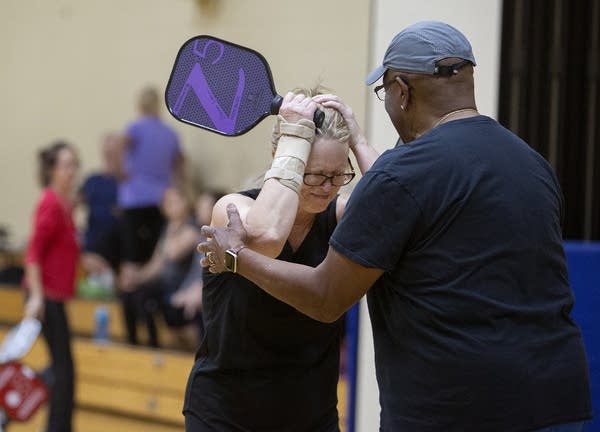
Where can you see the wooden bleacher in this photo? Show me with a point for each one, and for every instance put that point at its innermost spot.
(95, 421)
(139, 383)
(118, 387)
(81, 313)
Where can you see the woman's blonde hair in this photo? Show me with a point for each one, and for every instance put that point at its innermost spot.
(333, 127)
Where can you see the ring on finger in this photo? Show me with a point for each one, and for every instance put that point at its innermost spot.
(211, 258)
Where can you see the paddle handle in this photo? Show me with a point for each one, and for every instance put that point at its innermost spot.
(318, 117)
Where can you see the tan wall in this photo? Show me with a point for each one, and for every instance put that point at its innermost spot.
(72, 69)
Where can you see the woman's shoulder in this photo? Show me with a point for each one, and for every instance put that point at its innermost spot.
(243, 201)
(48, 199)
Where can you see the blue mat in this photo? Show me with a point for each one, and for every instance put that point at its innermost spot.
(584, 274)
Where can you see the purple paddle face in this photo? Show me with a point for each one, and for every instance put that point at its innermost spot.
(220, 86)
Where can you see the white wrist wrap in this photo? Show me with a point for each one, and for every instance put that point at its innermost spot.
(293, 149)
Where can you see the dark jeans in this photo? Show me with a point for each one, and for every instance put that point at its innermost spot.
(61, 371)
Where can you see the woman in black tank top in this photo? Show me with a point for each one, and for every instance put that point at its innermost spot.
(262, 365)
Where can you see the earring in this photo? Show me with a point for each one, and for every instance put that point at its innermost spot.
(402, 107)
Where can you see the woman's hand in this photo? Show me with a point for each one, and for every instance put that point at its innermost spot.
(189, 299)
(34, 307)
(297, 107)
(129, 277)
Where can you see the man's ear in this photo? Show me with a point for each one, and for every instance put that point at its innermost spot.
(404, 93)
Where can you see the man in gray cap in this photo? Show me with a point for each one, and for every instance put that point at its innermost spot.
(456, 237)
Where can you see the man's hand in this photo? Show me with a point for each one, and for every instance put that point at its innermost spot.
(365, 154)
(218, 240)
(357, 137)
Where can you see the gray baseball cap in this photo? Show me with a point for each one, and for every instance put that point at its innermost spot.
(418, 48)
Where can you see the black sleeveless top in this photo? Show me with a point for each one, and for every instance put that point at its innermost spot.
(262, 365)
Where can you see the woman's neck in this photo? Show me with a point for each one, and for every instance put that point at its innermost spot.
(302, 225)
(303, 218)
(62, 191)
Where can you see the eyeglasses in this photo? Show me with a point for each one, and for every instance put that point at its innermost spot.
(380, 90)
(313, 179)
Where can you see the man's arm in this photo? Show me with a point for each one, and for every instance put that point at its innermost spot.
(324, 293)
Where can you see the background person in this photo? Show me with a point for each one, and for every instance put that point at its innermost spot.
(456, 236)
(152, 160)
(188, 297)
(148, 289)
(50, 267)
(100, 257)
(262, 365)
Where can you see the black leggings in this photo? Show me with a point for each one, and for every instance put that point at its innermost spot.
(139, 231)
(143, 303)
(61, 371)
(194, 424)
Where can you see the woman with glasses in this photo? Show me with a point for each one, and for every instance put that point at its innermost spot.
(262, 365)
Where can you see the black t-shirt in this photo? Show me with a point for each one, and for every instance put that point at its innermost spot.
(264, 366)
(471, 319)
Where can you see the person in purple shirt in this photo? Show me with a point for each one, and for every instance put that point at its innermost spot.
(152, 160)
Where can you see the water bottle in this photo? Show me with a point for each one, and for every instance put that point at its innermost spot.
(101, 331)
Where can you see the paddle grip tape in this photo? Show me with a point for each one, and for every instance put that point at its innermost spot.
(292, 153)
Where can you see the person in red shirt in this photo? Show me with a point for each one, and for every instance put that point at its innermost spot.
(50, 266)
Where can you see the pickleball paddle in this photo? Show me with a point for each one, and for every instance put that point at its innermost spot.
(222, 87)
(22, 392)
